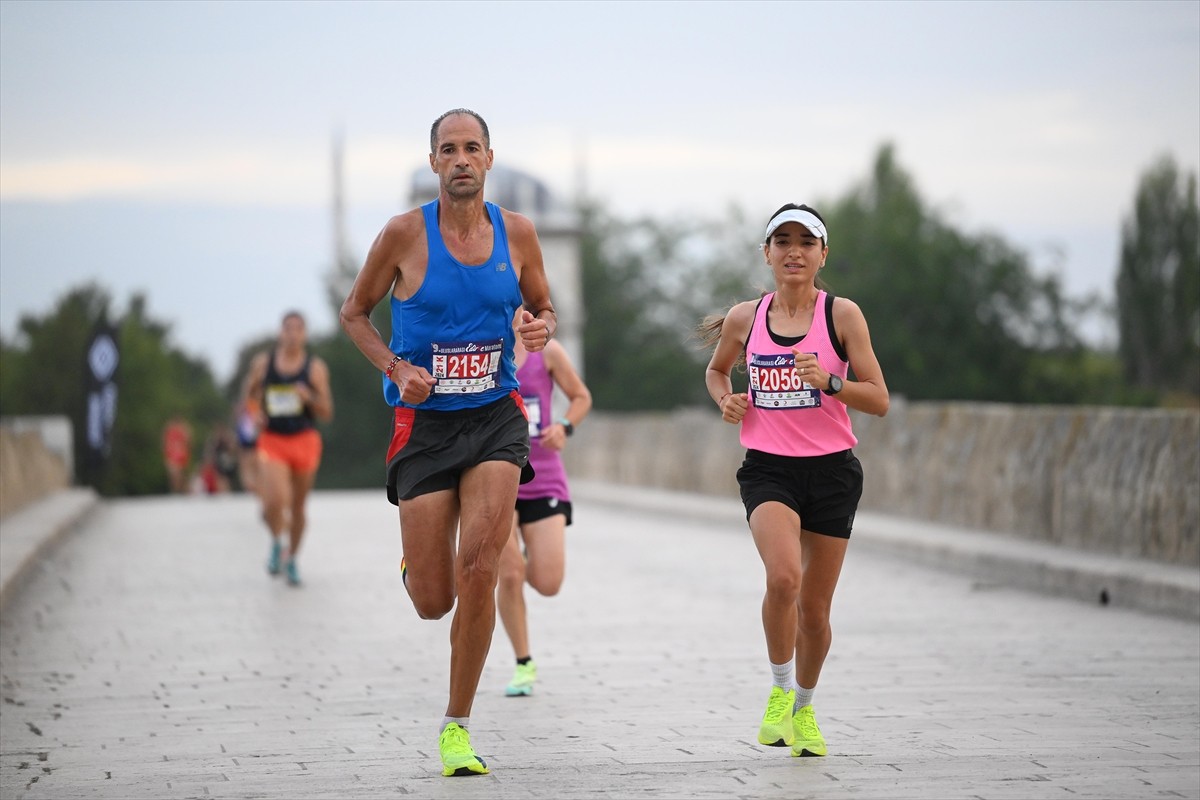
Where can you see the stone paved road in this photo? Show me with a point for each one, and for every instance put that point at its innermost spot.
(151, 657)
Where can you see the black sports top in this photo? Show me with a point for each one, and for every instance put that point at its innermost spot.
(286, 411)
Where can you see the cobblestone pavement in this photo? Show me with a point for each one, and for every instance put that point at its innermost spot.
(150, 656)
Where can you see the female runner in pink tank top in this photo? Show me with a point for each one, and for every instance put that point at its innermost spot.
(800, 481)
(536, 549)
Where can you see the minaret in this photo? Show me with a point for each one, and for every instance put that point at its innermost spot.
(342, 271)
(340, 250)
(581, 187)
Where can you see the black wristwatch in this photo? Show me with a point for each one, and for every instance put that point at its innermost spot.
(568, 428)
(835, 385)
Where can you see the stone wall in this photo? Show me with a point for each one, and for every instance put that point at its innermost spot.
(1108, 480)
(35, 460)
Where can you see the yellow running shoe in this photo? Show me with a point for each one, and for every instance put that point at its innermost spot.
(521, 684)
(809, 741)
(776, 730)
(458, 757)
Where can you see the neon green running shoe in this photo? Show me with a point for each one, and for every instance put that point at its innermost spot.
(458, 757)
(809, 741)
(776, 730)
(521, 684)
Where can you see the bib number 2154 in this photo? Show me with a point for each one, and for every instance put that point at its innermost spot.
(466, 367)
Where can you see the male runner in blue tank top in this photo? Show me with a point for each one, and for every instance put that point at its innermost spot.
(465, 277)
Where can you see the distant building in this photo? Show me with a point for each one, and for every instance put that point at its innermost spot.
(558, 230)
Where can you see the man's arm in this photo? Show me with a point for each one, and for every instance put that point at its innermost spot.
(252, 385)
(538, 322)
(320, 401)
(378, 276)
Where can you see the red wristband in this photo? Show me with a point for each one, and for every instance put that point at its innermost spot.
(391, 366)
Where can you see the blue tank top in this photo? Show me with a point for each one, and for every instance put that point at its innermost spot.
(458, 325)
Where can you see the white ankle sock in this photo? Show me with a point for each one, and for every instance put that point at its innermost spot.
(782, 673)
(804, 696)
(462, 722)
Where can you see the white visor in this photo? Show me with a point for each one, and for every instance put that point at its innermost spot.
(805, 218)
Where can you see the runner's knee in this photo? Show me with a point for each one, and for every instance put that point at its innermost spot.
(546, 582)
(432, 605)
(783, 582)
(814, 617)
(512, 571)
(477, 565)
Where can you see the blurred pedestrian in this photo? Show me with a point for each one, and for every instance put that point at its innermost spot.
(536, 549)
(292, 387)
(220, 459)
(455, 273)
(800, 481)
(249, 422)
(177, 453)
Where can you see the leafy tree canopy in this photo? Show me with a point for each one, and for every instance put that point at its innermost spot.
(1158, 284)
(43, 373)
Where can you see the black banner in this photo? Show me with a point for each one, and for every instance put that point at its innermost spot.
(102, 357)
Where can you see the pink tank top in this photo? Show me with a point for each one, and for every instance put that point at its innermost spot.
(789, 417)
(537, 390)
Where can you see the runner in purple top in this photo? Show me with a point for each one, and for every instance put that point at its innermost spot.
(544, 504)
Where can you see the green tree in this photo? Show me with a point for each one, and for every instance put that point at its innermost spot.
(645, 285)
(1158, 283)
(952, 315)
(43, 368)
(43, 374)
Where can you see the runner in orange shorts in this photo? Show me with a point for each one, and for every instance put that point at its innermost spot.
(291, 387)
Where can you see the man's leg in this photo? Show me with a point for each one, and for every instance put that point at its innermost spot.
(175, 474)
(301, 485)
(427, 526)
(248, 470)
(487, 494)
(275, 489)
(276, 494)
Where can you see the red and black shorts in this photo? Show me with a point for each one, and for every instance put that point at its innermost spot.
(431, 449)
(823, 490)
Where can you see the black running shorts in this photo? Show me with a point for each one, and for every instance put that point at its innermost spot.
(823, 490)
(431, 449)
(541, 508)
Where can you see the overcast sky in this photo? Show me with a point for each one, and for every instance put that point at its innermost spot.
(182, 150)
